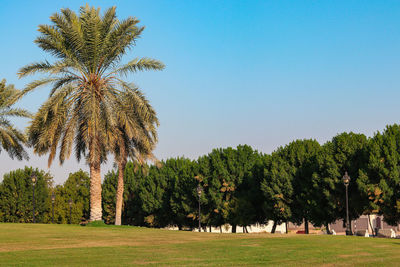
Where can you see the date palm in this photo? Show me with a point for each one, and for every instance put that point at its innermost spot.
(86, 79)
(135, 137)
(11, 139)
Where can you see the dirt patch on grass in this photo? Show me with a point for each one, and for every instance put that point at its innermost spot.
(355, 255)
(145, 262)
(250, 245)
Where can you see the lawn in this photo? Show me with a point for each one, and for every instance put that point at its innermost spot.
(70, 245)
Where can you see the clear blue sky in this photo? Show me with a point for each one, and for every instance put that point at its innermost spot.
(261, 73)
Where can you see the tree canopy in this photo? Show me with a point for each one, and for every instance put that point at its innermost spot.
(12, 140)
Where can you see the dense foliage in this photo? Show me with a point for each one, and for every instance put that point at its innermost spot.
(300, 182)
(76, 188)
(16, 197)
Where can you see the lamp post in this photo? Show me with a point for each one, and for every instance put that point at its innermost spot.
(346, 182)
(70, 206)
(53, 200)
(199, 192)
(34, 178)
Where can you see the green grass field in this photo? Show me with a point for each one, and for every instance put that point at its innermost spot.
(71, 245)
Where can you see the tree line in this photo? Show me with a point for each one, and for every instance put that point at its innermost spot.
(299, 182)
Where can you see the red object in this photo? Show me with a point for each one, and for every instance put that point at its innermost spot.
(301, 232)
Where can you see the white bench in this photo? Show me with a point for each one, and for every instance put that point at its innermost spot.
(362, 233)
(387, 233)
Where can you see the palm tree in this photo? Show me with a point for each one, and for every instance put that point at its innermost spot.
(135, 137)
(11, 139)
(86, 80)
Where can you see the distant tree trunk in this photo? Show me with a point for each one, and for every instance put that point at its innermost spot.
(209, 228)
(370, 225)
(233, 228)
(120, 190)
(180, 227)
(274, 227)
(245, 229)
(95, 192)
(306, 226)
(351, 228)
(220, 229)
(286, 225)
(328, 231)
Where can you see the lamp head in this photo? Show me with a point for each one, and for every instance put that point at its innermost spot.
(346, 179)
(199, 190)
(34, 178)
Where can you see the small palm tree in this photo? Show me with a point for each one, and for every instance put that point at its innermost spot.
(86, 80)
(134, 137)
(11, 139)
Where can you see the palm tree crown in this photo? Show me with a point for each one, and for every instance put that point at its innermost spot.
(11, 139)
(86, 81)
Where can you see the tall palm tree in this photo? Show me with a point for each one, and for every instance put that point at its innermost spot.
(86, 80)
(11, 139)
(135, 137)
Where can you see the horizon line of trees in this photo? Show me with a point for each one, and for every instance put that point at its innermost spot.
(299, 182)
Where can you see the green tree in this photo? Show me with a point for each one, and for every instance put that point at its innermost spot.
(326, 185)
(349, 151)
(181, 195)
(152, 192)
(275, 183)
(86, 81)
(109, 191)
(379, 183)
(16, 196)
(76, 188)
(301, 158)
(223, 173)
(11, 139)
(135, 175)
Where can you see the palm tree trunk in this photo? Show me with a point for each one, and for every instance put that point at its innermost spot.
(95, 193)
(120, 192)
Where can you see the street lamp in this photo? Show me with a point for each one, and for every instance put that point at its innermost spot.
(53, 200)
(199, 192)
(346, 182)
(34, 179)
(70, 206)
